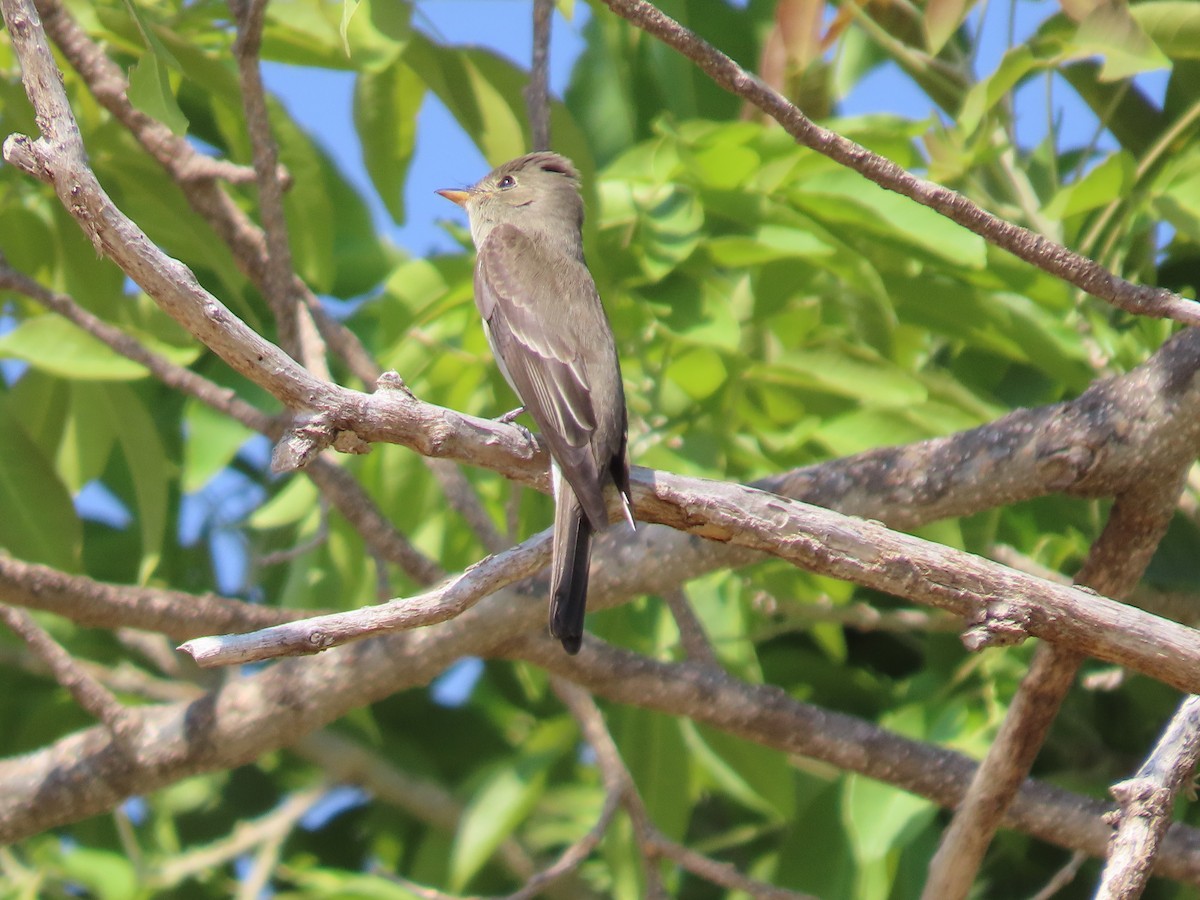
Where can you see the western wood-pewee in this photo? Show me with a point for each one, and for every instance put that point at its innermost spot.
(547, 328)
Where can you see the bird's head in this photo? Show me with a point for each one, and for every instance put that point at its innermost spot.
(535, 192)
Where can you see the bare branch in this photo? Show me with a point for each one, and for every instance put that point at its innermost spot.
(1022, 243)
(692, 636)
(347, 761)
(1147, 801)
(537, 92)
(618, 782)
(1062, 877)
(463, 498)
(195, 174)
(87, 691)
(720, 873)
(1136, 525)
(998, 778)
(95, 604)
(858, 616)
(298, 334)
(574, 856)
(246, 837)
(828, 543)
(336, 485)
(769, 717)
(319, 633)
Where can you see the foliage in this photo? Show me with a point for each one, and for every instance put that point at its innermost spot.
(772, 310)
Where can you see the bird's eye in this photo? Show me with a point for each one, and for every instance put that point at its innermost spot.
(506, 182)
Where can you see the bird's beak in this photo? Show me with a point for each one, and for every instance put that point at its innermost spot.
(458, 197)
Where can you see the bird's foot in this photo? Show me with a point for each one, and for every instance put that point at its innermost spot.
(511, 416)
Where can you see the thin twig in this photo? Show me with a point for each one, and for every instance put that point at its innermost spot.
(319, 633)
(463, 499)
(1004, 604)
(537, 92)
(696, 645)
(1009, 758)
(346, 761)
(298, 334)
(1062, 877)
(619, 783)
(336, 485)
(87, 691)
(1033, 248)
(245, 837)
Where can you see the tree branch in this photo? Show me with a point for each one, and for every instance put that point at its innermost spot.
(1136, 525)
(537, 92)
(1147, 801)
(89, 693)
(1033, 248)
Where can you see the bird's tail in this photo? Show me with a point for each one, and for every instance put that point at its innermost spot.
(569, 569)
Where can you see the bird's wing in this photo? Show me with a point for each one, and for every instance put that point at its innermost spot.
(537, 321)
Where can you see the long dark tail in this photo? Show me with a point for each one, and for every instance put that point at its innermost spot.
(569, 570)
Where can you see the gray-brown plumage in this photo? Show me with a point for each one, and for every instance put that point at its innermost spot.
(547, 327)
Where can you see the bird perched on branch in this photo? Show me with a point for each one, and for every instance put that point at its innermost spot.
(547, 328)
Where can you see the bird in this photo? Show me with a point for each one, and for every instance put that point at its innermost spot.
(552, 340)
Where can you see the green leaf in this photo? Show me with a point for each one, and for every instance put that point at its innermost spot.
(1178, 194)
(844, 372)
(213, 440)
(149, 468)
(305, 34)
(941, 20)
(1104, 184)
(700, 372)
(1173, 25)
(1111, 31)
(986, 93)
(386, 104)
(654, 751)
(149, 80)
(500, 804)
(481, 92)
(756, 777)
(847, 198)
(39, 523)
(55, 346)
(349, 8)
(880, 818)
(866, 428)
(108, 876)
(297, 500)
(88, 438)
(150, 91)
(769, 243)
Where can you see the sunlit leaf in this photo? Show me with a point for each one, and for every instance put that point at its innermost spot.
(56, 346)
(386, 104)
(1104, 184)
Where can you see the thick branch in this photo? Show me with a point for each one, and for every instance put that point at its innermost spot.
(1004, 601)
